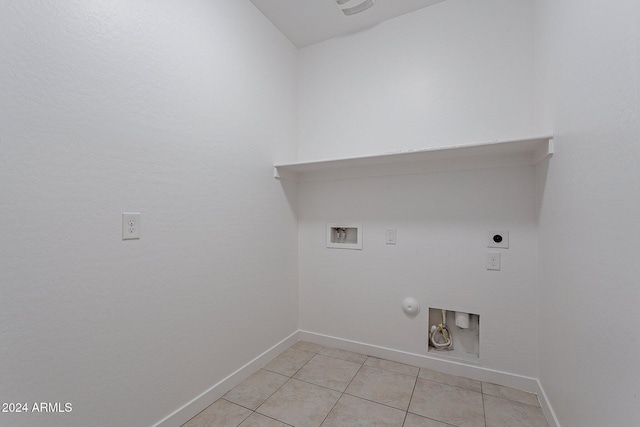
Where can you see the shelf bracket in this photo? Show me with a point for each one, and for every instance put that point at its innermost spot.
(281, 174)
(543, 151)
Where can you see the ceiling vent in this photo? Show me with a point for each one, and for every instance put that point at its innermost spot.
(352, 7)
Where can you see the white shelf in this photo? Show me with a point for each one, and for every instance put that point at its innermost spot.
(520, 151)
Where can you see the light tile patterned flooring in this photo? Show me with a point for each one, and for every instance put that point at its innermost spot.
(310, 386)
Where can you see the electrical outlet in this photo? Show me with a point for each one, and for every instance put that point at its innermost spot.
(493, 261)
(130, 226)
(498, 239)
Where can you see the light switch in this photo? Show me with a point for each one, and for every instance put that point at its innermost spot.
(391, 236)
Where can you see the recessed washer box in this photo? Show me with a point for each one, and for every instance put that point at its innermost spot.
(344, 235)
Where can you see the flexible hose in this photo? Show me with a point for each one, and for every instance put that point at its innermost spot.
(442, 332)
(440, 338)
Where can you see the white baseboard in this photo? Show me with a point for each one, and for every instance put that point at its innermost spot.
(546, 407)
(452, 367)
(479, 373)
(197, 405)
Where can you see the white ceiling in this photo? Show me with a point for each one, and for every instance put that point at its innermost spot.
(306, 22)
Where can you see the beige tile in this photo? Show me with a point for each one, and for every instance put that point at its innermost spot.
(307, 346)
(447, 404)
(219, 414)
(349, 356)
(353, 411)
(258, 420)
(328, 372)
(253, 391)
(510, 393)
(454, 380)
(400, 368)
(414, 420)
(289, 361)
(382, 386)
(300, 404)
(507, 413)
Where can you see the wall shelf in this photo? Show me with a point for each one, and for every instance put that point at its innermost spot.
(501, 153)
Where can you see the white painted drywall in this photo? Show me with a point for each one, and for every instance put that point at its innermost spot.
(588, 72)
(457, 72)
(173, 109)
(441, 221)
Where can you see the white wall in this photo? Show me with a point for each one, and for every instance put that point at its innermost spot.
(460, 72)
(588, 57)
(175, 110)
(457, 72)
(441, 221)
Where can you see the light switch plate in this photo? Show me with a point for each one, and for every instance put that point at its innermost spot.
(391, 236)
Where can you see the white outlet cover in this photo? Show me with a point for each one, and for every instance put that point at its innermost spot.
(130, 226)
(493, 261)
(504, 239)
(391, 236)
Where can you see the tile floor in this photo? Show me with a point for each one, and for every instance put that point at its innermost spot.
(310, 386)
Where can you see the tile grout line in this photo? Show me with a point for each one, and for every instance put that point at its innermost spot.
(275, 419)
(305, 364)
(245, 418)
(377, 403)
(363, 364)
(511, 400)
(329, 413)
(450, 385)
(290, 378)
(342, 393)
(484, 412)
(340, 358)
(276, 390)
(415, 383)
(234, 403)
(254, 411)
(345, 390)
